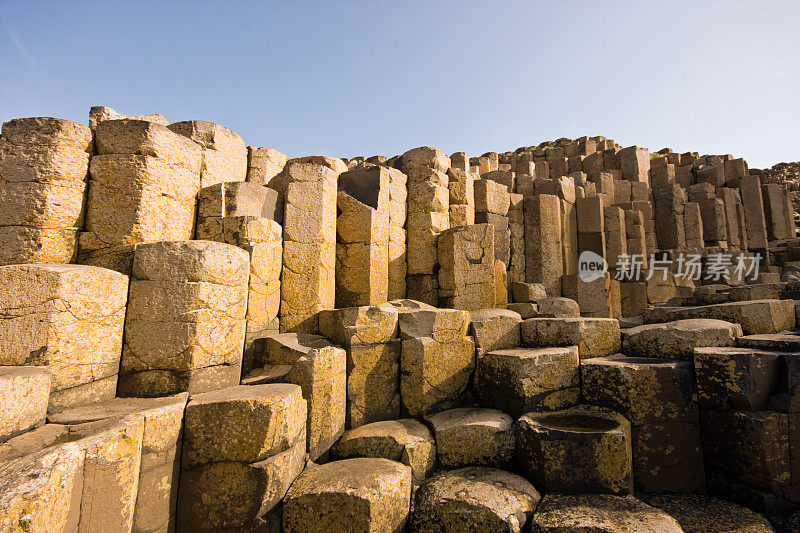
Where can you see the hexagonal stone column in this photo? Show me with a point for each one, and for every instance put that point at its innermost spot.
(594, 337)
(321, 371)
(24, 393)
(473, 436)
(369, 336)
(243, 447)
(657, 396)
(68, 318)
(186, 318)
(581, 449)
(478, 499)
(407, 441)
(522, 380)
(359, 495)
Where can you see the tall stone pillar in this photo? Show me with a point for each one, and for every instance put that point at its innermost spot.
(308, 281)
(543, 249)
(428, 215)
(44, 166)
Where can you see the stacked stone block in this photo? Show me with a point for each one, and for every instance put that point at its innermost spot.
(264, 164)
(186, 321)
(437, 359)
(492, 201)
(248, 215)
(224, 155)
(320, 369)
(362, 234)
(142, 188)
(68, 318)
(44, 166)
(369, 335)
(462, 193)
(428, 214)
(543, 244)
(467, 267)
(243, 448)
(308, 281)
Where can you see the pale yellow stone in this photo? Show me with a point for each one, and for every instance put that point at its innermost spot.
(320, 370)
(68, 318)
(224, 152)
(24, 393)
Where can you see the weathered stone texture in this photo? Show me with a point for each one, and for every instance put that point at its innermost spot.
(186, 318)
(224, 156)
(466, 271)
(142, 188)
(309, 231)
(321, 371)
(44, 166)
(362, 494)
(68, 318)
(24, 393)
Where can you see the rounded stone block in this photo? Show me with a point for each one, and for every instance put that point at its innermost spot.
(600, 513)
(243, 423)
(521, 380)
(357, 495)
(473, 436)
(581, 449)
(477, 499)
(407, 441)
(703, 514)
(677, 340)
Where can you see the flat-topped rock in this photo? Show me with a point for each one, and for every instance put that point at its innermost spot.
(476, 499)
(678, 339)
(473, 436)
(779, 342)
(363, 494)
(407, 441)
(442, 325)
(600, 513)
(495, 329)
(594, 337)
(755, 317)
(580, 449)
(243, 423)
(557, 307)
(360, 325)
(703, 514)
(736, 378)
(521, 380)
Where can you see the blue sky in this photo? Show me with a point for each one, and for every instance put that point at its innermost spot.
(350, 78)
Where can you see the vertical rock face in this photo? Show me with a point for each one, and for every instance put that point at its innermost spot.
(44, 165)
(243, 448)
(543, 259)
(248, 215)
(363, 494)
(68, 318)
(428, 215)
(24, 392)
(369, 336)
(466, 267)
(142, 188)
(224, 154)
(754, 213)
(362, 234)
(263, 164)
(186, 318)
(320, 369)
(160, 451)
(308, 282)
(398, 198)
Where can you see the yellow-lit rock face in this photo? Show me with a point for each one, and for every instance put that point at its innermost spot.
(243, 424)
(407, 441)
(68, 318)
(362, 494)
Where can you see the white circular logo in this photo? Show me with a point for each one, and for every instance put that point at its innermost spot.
(591, 266)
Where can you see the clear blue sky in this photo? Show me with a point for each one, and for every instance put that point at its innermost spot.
(352, 78)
